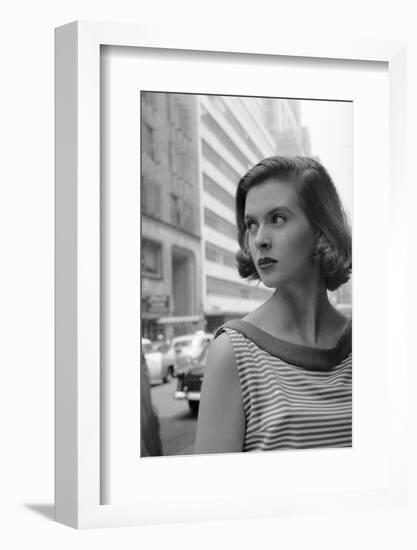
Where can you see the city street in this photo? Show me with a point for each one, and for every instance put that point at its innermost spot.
(177, 424)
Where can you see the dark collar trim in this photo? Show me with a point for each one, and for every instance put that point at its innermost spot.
(295, 354)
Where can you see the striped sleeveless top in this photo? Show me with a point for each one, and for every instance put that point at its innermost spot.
(294, 396)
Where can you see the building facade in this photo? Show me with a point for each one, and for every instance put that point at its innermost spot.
(283, 120)
(233, 137)
(170, 221)
(194, 150)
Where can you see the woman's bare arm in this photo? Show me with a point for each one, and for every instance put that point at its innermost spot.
(221, 417)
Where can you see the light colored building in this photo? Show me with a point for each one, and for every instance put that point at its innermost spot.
(233, 138)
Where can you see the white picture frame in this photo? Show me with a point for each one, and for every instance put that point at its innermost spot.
(78, 266)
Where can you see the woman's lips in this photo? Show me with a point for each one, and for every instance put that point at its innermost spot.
(266, 263)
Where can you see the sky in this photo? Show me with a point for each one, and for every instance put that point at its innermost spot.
(331, 130)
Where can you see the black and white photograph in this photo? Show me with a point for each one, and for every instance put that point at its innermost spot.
(246, 274)
(189, 356)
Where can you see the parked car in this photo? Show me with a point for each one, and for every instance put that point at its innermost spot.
(187, 347)
(190, 380)
(158, 371)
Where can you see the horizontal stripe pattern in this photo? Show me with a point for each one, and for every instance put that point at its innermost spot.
(289, 406)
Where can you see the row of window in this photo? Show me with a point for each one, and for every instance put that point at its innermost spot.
(221, 287)
(214, 158)
(220, 255)
(219, 224)
(218, 192)
(236, 125)
(152, 257)
(224, 139)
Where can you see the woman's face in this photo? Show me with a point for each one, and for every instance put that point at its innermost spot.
(280, 238)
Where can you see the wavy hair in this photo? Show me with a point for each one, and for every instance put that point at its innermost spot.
(321, 204)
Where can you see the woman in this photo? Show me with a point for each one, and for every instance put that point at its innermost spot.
(281, 378)
(150, 441)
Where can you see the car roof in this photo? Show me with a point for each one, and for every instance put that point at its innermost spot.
(184, 337)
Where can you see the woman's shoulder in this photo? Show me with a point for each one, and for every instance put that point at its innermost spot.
(221, 417)
(221, 346)
(221, 368)
(233, 335)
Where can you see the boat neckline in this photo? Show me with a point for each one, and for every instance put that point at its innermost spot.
(297, 354)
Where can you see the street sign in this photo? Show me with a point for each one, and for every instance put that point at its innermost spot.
(156, 303)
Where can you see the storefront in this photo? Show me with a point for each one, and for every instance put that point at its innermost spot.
(181, 324)
(153, 308)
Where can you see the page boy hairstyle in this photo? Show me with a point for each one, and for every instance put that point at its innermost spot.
(321, 204)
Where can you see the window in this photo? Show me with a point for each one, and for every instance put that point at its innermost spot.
(151, 197)
(151, 259)
(216, 191)
(175, 210)
(216, 160)
(222, 287)
(237, 126)
(219, 224)
(188, 218)
(220, 255)
(224, 139)
(211, 253)
(148, 140)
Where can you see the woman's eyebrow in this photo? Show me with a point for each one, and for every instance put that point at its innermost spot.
(272, 211)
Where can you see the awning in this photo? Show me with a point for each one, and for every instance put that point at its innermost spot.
(174, 320)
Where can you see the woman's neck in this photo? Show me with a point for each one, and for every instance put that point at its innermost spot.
(302, 314)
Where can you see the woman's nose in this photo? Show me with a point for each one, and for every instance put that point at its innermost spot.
(262, 240)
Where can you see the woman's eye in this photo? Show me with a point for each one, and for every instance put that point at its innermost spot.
(251, 225)
(278, 219)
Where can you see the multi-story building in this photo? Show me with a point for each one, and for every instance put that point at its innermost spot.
(282, 117)
(170, 222)
(233, 138)
(194, 151)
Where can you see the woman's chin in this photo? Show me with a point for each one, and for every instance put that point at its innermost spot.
(269, 282)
